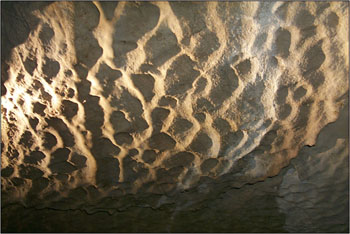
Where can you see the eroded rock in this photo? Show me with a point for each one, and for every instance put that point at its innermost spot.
(173, 113)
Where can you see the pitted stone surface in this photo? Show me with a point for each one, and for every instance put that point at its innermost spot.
(183, 110)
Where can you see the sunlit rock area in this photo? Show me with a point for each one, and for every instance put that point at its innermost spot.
(174, 116)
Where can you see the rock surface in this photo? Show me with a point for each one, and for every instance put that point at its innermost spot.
(184, 116)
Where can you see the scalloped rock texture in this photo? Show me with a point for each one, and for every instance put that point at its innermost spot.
(184, 116)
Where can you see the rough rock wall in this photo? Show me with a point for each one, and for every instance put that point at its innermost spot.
(184, 116)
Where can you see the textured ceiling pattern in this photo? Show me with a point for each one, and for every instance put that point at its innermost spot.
(171, 107)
